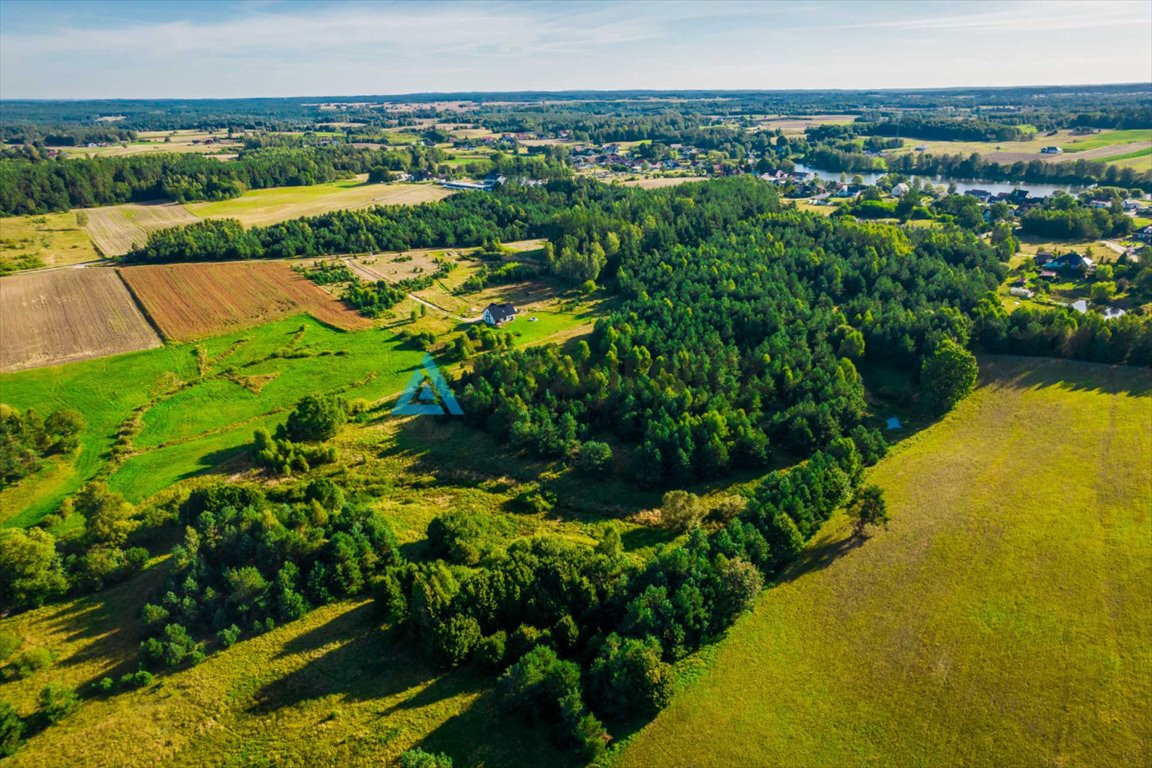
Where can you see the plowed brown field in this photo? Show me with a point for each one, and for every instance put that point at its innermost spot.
(188, 301)
(64, 315)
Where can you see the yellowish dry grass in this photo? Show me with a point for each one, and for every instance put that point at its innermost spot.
(1004, 618)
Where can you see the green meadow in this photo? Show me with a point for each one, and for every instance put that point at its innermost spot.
(1004, 618)
(189, 405)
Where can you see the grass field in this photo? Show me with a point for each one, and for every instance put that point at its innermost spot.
(60, 316)
(48, 240)
(262, 207)
(1004, 618)
(194, 407)
(189, 301)
(117, 229)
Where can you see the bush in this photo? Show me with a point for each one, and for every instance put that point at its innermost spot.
(8, 644)
(418, 758)
(11, 730)
(57, 702)
(681, 510)
(175, 648)
(594, 458)
(228, 636)
(137, 679)
(490, 651)
(315, 418)
(30, 662)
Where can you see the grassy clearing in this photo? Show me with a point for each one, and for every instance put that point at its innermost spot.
(262, 207)
(48, 240)
(1003, 619)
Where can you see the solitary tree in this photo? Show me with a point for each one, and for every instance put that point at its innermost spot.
(868, 508)
(948, 374)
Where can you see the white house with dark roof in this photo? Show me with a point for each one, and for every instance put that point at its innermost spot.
(498, 314)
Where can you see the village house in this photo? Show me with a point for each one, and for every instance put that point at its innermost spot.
(1072, 263)
(499, 314)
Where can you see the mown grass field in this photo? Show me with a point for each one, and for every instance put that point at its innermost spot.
(1003, 619)
(45, 240)
(262, 207)
(117, 229)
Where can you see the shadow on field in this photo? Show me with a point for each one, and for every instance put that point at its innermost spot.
(364, 663)
(820, 557)
(1072, 375)
(482, 736)
(107, 624)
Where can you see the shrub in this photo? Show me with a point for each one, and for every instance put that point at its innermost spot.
(418, 758)
(104, 685)
(315, 418)
(137, 679)
(594, 458)
(30, 662)
(681, 510)
(11, 730)
(228, 636)
(9, 642)
(57, 702)
(490, 651)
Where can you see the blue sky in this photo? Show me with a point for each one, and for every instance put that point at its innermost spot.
(182, 49)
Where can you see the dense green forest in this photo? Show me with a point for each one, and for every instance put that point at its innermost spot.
(35, 184)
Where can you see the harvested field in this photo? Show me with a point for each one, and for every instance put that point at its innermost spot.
(116, 228)
(262, 207)
(49, 318)
(189, 301)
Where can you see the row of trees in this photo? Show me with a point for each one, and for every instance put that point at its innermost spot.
(41, 185)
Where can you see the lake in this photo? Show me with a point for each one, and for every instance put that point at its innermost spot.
(962, 185)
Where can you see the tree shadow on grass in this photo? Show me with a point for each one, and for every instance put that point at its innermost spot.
(362, 662)
(1076, 376)
(483, 736)
(106, 624)
(819, 557)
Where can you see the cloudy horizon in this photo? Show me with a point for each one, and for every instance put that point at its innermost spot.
(272, 48)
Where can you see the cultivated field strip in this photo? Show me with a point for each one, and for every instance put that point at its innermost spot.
(190, 301)
(65, 315)
(115, 229)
